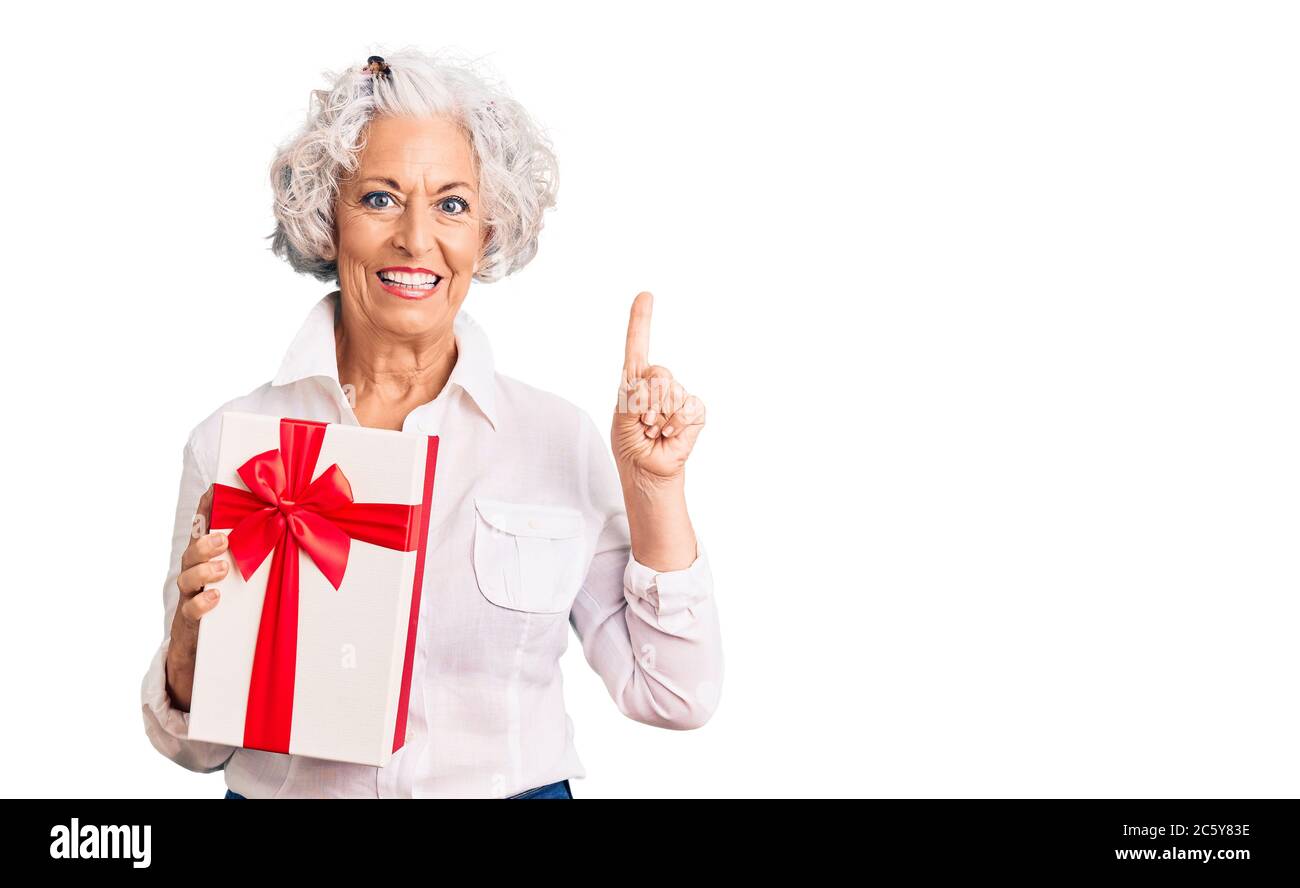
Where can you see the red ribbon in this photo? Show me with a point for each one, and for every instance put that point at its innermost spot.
(283, 511)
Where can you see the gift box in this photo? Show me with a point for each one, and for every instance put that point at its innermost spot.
(310, 648)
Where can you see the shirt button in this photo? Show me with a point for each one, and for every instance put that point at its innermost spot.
(532, 522)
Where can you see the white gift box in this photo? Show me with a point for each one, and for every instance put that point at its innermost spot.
(310, 648)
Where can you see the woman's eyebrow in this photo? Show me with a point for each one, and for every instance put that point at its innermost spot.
(392, 183)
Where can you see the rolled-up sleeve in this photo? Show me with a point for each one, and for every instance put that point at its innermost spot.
(652, 636)
(166, 726)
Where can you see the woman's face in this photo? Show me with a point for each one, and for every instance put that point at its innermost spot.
(411, 204)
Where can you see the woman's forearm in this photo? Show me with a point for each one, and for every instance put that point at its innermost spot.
(179, 673)
(662, 536)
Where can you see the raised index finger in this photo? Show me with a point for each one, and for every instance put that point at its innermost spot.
(636, 355)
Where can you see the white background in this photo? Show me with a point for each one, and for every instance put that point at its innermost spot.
(993, 306)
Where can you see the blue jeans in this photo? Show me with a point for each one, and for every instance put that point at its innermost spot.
(558, 790)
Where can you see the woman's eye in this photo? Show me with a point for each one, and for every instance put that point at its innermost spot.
(382, 195)
(454, 201)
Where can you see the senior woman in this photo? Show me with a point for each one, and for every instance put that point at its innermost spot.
(413, 177)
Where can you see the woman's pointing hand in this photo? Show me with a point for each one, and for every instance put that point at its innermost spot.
(656, 421)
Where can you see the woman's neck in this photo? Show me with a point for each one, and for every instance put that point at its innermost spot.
(391, 378)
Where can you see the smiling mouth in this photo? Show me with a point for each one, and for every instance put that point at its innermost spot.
(408, 286)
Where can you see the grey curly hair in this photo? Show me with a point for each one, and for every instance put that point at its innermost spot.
(514, 160)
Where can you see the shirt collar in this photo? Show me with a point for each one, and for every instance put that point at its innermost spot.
(313, 354)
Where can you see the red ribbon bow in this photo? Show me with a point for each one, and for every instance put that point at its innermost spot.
(282, 511)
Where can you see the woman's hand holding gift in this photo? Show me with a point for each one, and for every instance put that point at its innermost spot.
(201, 563)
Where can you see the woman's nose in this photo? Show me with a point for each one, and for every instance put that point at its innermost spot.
(415, 232)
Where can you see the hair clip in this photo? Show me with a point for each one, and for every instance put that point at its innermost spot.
(377, 66)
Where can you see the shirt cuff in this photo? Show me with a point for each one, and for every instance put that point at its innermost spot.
(169, 729)
(671, 594)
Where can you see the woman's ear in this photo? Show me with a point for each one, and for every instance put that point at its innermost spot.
(331, 252)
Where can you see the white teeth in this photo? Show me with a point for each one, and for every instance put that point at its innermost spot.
(409, 280)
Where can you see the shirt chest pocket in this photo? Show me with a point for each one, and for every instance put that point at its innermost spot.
(528, 557)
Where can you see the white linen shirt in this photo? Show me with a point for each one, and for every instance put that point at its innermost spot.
(486, 714)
